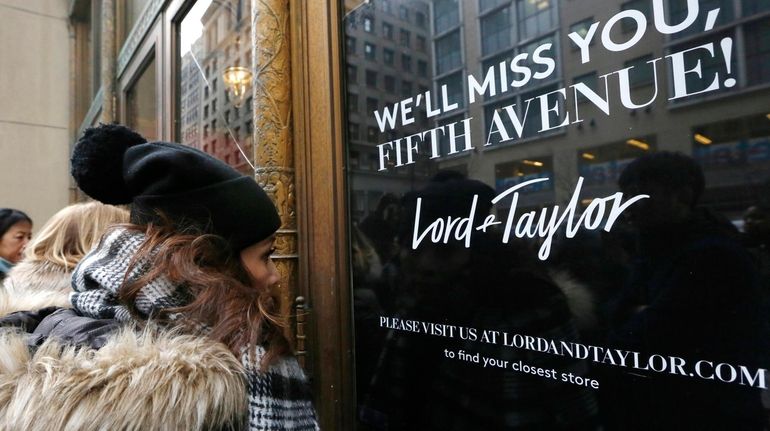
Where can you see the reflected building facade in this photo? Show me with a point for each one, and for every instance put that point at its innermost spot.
(388, 47)
(209, 119)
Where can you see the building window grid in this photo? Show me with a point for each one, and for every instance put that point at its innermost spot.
(448, 55)
(497, 31)
(752, 36)
(446, 15)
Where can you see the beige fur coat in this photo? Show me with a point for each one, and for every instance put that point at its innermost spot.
(152, 380)
(34, 285)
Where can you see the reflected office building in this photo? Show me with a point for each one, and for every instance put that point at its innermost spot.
(573, 175)
(726, 131)
(216, 82)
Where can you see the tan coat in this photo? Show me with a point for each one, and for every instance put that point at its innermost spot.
(151, 380)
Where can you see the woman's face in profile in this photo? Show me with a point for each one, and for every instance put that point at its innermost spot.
(259, 264)
(14, 240)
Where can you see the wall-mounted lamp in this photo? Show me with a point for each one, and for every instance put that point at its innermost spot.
(237, 81)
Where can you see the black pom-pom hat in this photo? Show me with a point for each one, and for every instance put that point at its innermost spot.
(167, 181)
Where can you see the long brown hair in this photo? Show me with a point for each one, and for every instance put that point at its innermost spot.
(219, 291)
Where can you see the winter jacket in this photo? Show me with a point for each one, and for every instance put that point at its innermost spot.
(96, 367)
(153, 379)
(33, 285)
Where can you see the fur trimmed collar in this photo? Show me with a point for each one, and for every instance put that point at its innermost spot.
(35, 285)
(153, 380)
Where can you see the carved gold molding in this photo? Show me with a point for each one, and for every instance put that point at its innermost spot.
(273, 148)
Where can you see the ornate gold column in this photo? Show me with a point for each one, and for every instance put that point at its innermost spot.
(273, 148)
(109, 58)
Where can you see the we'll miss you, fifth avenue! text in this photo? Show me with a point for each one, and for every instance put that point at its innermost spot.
(703, 369)
(507, 123)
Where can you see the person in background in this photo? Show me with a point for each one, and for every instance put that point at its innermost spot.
(693, 292)
(44, 275)
(175, 320)
(15, 233)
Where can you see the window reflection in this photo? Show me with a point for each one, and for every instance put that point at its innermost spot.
(215, 81)
(141, 103)
(561, 143)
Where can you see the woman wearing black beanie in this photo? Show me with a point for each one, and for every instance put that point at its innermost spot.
(174, 323)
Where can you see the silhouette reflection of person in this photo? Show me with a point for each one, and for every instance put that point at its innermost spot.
(417, 385)
(693, 293)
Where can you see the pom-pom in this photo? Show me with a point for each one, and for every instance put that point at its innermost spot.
(97, 162)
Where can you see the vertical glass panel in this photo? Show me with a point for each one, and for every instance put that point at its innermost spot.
(497, 31)
(446, 14)
(142, 102)
(758, 52)
(448, 52)
(679, 11)
(216, 80)
(551, 235)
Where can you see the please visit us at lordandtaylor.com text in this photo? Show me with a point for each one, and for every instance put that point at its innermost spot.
(703, 369)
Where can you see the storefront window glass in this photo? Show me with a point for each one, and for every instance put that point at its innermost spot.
(558, 215)
(216, 78)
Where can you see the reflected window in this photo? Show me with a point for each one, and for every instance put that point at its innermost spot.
(141, 103)
(448, 52)
(455, 89)
(515, 172)
(387, 56)
(581, 28)
(642, 72)
(497, 31)
(353, 131)
(352, 74)
(601, 165)
(643, 6)
(350, 45)
(405, 37)
(446, 15)
(390, 83)
(371, 78)
(678, 12)
(422, 44)
(419, 19)
(403, 13)
(755, 6)
(371, 105)
(406, 62)
(371, 134)
(758, 52)
(710, 66)
(352, 102)
(591, 81)
(485, 5)
(387, 30)
(422, 68)
(536, 17)
(368, 24)
(406, 88)
(370, 51)
(552, 53)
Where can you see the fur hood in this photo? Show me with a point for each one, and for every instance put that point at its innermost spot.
(149, 380)
(34, 285)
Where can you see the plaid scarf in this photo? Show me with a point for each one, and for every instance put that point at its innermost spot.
(279, 398)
